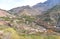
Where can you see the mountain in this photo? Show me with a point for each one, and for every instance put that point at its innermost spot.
(24, 10)
(26, 21)
(39, 8)
(50, 10)
(4, 13)
(46, 5)
(52, 16)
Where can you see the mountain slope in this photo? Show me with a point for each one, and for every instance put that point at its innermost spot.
(52, 16)
(46, 5)
(24, 9)
(39, 8)
(4, 13)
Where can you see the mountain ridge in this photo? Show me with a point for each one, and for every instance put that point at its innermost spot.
(46, 5)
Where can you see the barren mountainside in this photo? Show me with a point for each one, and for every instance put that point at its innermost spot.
(41, 21)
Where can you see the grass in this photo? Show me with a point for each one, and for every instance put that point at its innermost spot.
(39, 37)
(15, 35)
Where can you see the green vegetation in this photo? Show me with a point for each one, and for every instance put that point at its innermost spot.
(12, 33)
(16, 31)
(5, 18)
(28, 18)
(15, 35)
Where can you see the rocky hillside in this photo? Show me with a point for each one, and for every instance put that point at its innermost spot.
(39, 8)
(4, 13)
(52, 17)
(46, 5)
(30, 22)
(24, 9)
(50, 14)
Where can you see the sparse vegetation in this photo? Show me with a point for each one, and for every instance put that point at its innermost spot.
(29, 23)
